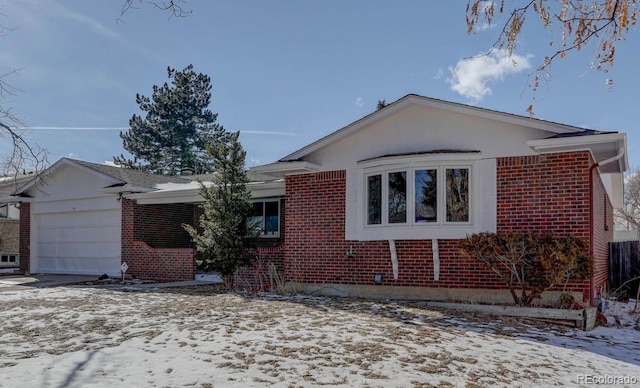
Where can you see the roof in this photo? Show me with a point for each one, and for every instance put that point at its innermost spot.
(123, 179)
(132, 177)
(414, 99)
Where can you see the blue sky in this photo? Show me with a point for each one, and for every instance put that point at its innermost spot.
(285, 73)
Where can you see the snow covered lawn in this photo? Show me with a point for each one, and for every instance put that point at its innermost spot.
(196, 337)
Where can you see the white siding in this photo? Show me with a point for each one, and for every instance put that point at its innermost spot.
(74, 228)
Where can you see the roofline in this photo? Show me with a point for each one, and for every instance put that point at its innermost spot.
(63, 161)
(509, 118)
(618, 140)
(281, 168)
(192, 194)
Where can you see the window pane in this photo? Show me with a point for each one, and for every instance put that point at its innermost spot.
(4, 211)
(397, 197)
(374, 200)
(426, 195)
(457, 194)
(272, 219)
(257, 219)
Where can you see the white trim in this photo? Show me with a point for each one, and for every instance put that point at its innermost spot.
(482, 203)
(611, 142)
(190, 194)
(282, 168)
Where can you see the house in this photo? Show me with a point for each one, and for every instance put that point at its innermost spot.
(379, 206)
(376, 208)
(10, 223)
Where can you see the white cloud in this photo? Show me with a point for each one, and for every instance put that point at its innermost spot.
(359, 101)
(439, 74)
(471, 77)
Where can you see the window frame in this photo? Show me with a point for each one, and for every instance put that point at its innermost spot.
(264, 201)
(9, 257)
(441, 192)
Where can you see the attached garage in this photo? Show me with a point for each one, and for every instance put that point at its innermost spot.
(74, 216)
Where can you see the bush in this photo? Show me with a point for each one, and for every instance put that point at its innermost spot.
(530, 263)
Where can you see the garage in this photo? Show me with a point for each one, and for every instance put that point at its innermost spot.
(71, 216)
(82, 242)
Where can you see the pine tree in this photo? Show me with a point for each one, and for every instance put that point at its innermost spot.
(173, 136)
(224, 237)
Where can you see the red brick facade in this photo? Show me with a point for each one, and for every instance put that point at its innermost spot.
(143, 225)
(541, 193)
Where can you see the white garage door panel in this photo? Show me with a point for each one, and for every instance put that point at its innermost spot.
(80, 242)
(80, 219)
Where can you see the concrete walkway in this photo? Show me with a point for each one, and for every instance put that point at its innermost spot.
(26, 282)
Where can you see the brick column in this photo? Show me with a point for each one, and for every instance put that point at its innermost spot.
(25, 237)
(128, 224)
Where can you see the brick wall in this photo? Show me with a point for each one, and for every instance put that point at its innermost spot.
(155, 263)
(546, 193)
(162, 264)
(602, 232)
(160, 226)
(316, 248)
(542, 193)
(25, 237)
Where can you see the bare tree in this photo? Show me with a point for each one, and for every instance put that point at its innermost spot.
(629, 216)
(579, 24)
(22, 154)
(174, 7)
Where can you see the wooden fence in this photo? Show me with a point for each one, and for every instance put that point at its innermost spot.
(624, 264)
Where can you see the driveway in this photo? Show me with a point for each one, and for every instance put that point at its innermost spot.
(26, 282)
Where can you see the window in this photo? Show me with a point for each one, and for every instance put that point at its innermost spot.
(397, 197)
(439, 195)
(374, 195)
(426, 195)
(8, 259)
(4, 210)
(266, 217)
(457, 194)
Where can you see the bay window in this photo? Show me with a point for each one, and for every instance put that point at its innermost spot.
(430, 195)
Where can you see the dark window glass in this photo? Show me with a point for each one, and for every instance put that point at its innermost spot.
(397, 197)
(426, 195)
(374, 200)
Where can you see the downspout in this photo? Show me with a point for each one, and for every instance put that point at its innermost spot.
(595, 165)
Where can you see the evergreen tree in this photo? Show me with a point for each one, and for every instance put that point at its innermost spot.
(224, 236)
(173, 136)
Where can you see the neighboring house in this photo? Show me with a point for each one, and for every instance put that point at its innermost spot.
(376, 208)
(10, 222)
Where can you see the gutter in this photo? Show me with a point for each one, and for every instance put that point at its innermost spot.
(595, 165)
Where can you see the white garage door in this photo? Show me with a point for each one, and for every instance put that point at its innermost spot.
(79, 242)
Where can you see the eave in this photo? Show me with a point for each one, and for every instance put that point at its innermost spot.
(601, 147)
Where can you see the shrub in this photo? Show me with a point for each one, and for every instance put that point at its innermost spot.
(530, 263)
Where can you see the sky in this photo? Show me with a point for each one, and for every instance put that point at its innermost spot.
(93, 337)
(285, 73)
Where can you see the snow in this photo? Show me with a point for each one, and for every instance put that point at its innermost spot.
(198, 337)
